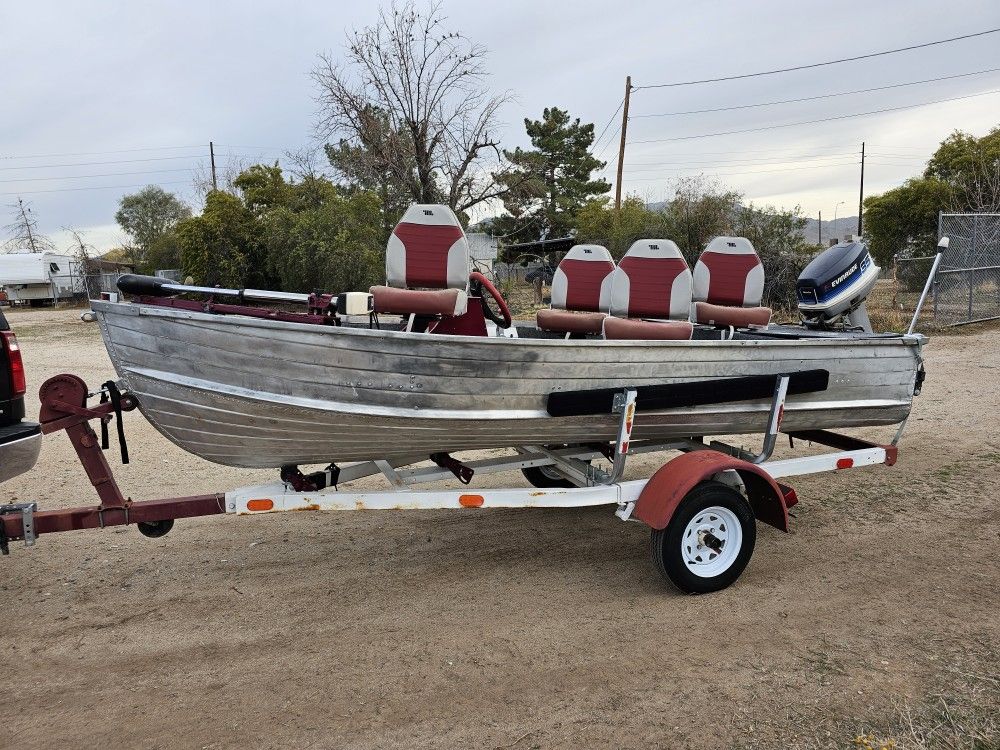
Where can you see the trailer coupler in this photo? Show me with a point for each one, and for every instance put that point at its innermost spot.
(64, 407)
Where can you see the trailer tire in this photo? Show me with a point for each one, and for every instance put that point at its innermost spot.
(544, 477)
(721, 513)
(155, 529)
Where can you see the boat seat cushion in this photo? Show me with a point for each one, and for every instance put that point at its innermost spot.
(652, 280)
(564, 321)
(428, 249)
(724, 315)
(582, 281)
(621, 328)
(392, 301)
(729, 273)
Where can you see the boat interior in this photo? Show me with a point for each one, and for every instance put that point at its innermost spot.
(651, 294)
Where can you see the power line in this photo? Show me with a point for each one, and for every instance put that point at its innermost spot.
(819, 64)
(769, 171)
(743, 172)
(89, 176)
(774, 160)
(101, 153)
(752, 159)
(610, 142)
(821, 96)
(813, 122)
(115, 161)
(94, 187)
(607, 125)
(93, 163)
(727, 165)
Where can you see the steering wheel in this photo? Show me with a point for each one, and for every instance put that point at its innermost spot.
(479, 283)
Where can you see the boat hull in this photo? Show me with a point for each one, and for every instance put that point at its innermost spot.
(261, 393)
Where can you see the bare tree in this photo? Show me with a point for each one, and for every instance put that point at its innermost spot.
(305, 163)
(226, 175)
(411, 101)
(979, 189)
(84, 258)
(23, 231)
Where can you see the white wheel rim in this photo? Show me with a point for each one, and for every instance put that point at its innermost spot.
(550, 473)
(711, 541)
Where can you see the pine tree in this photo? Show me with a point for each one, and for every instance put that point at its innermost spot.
(552, 181)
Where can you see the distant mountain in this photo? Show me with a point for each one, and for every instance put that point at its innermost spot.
(845, 225)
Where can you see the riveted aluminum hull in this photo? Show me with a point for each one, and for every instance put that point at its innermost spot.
(257, 393)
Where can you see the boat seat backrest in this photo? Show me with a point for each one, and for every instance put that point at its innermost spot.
(729, 273)
(652, 280)
(582, 280)
(428, 250)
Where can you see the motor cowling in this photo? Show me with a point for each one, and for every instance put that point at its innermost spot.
(836, 283)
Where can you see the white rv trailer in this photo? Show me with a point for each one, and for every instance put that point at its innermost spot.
(39, 278)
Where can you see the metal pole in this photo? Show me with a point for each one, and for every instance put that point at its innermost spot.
(861, 190)
(969, 254)
(820, 240)
(621, 144)
(942, 246)
(935, 286)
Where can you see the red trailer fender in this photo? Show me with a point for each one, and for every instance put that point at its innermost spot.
(672, 482)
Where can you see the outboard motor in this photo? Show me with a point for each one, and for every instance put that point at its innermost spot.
(832, 289)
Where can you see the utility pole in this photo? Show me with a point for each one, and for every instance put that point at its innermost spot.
(211, 153)
(820, 225)
(621, 145)
(861, 192)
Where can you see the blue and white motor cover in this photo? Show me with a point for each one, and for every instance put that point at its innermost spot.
(836, 282)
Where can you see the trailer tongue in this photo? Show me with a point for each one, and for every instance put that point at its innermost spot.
(701, 504)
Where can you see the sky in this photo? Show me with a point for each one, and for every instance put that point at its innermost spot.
(98, 99)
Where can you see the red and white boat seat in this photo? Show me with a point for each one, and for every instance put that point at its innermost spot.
(652, 280)
(581, 291)
(427, 249)
(662, 330)
(728, 284)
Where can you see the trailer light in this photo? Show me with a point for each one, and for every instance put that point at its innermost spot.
(15, 363)
(470, 501)
(261, 503)
(845, 463)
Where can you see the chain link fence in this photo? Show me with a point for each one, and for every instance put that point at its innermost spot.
(967, 286)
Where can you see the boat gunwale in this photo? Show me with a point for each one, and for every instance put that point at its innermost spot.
(134, 308)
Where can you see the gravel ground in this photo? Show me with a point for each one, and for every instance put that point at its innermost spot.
(509, 629)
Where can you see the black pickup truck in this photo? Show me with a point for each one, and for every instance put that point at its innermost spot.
(20, 441)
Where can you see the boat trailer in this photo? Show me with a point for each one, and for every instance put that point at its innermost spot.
(701, 505)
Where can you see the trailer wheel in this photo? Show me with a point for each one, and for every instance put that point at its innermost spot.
(545, 476)
(155, 529)
(708, 541)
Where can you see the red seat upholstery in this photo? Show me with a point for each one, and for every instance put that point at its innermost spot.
(738, 317)
(728, 274)
(582, 282)
(621, 328)
(426, 249)
(565, 321)
(393, 301)
(652, 281)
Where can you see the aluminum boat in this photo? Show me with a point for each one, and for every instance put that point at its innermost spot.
(416, 367)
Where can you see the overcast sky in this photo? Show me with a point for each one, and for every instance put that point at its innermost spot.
(164, 78)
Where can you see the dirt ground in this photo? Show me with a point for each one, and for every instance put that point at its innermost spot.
(876, 618)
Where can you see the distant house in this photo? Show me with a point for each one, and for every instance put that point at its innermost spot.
(482, 249)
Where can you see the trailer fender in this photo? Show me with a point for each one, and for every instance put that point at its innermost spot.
(671, 483)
